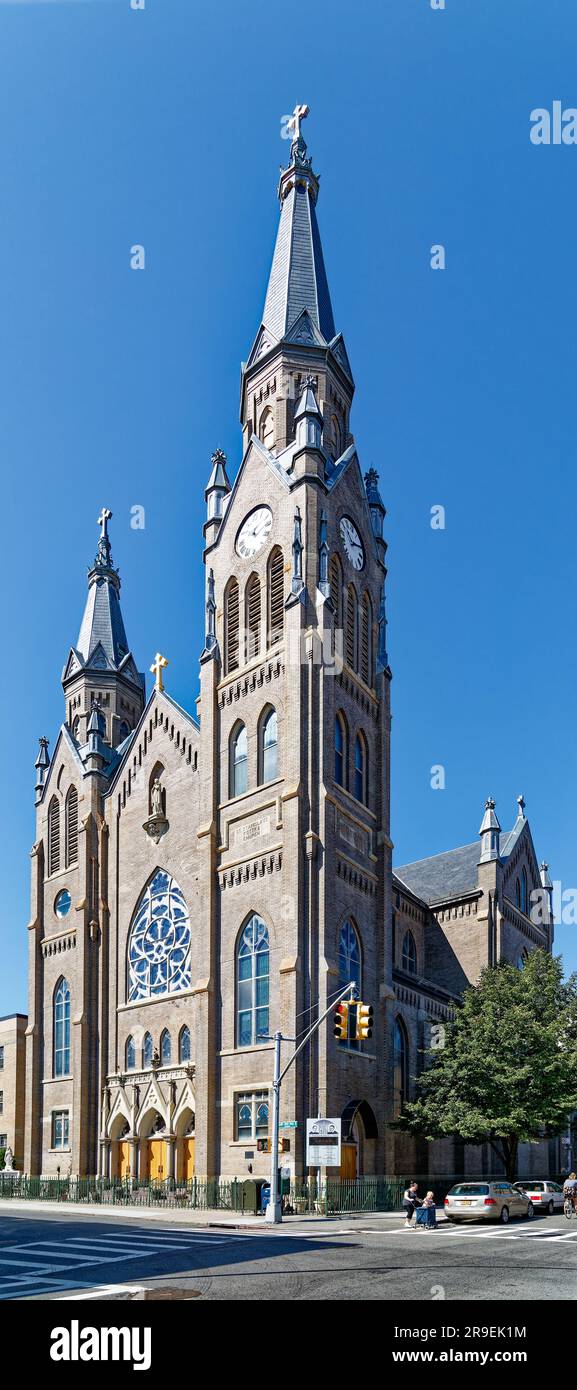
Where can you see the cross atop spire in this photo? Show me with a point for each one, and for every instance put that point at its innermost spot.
(104, 556)
(298, 278)
(157, 668)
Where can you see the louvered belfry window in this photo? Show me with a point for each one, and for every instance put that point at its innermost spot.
(336, 580)
(71, 827)
(351, 629)
(252, 617)
(231, 627)
(366, 662)
(53, 836)
(275, 597)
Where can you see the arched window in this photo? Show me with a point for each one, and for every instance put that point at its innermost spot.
(130, 1055)
(336, 583)
(351, 634)
(231, 626)
(252, 614)
(184, 1044)
(517, 892)
(350, 963)
(159, 942)
(336, 440)
(524, 891)
(409, 958)
(165, 1048)
(76, 728)
(275, 597)
(400, 1066)
(366, 640)
(53, 836)
(341, 750)
(238, 771)
(147, 1050)
(62, 1028)
(252, 983)
(361, 769)
(266, 428)
(268, 753)
(71, 826)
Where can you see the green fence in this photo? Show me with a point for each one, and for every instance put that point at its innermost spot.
(300, 1197)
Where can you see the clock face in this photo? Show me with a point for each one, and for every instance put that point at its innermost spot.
(352, 544)
(254, 532)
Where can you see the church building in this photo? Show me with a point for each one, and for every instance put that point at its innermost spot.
(201, 878)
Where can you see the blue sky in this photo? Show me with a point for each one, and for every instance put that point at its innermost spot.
(162, 127)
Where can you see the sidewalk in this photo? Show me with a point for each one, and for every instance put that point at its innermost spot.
(193, 1217)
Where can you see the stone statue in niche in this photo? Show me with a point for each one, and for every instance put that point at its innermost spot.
(8, 1160)
(157, 825)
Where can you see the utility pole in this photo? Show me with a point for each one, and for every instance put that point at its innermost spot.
(273, 1213)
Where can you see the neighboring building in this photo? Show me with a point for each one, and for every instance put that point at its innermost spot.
(12, 1084)
(203, 878)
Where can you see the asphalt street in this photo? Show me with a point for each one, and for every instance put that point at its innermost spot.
(57, 1256)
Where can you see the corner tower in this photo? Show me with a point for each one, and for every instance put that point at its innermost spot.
(294, 845)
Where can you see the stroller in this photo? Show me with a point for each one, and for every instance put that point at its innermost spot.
(426, 1217)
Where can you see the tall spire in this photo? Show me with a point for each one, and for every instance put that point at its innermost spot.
(298, 278)
(101, 662)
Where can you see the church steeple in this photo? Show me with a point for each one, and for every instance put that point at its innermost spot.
(297, 337)
(298, 277)
(100, 666)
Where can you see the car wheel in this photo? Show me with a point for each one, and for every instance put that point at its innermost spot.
(530, 1209)
(504, 1217)
(550, 1209)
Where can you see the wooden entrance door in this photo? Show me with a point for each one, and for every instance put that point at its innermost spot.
(348, 1160)
(186, 1158)
(157, 1158)
(124, 1158)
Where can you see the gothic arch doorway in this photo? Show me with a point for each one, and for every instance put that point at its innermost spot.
(122, 1149)
(153, 1147)
(185, 1145)
(359, 1136)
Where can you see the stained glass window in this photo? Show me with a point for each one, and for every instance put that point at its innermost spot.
(63, 903)
(62, 1029)
(165, 1048)
(269, 755)
(252, 983)
(159, 948)
(409, 953)
(184, 1047)
(130, 1054)
(147, 1050)
(350, 970)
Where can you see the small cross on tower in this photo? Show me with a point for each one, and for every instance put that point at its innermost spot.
(103, 521)
(157, 668)
(298, 115)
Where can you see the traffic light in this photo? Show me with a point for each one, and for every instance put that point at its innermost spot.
(341, 1022)
(263, 1146)
(365, 1016)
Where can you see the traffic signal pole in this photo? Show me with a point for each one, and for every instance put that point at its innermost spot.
(273, 1213)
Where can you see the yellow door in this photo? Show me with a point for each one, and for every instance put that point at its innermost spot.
(186, 1158)
(348, 1161)
(156, 1158)
(124, 1156)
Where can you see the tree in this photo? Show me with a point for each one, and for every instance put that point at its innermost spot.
(507, 1072)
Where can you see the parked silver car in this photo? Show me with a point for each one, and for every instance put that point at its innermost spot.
(486, 1201)
(544, 1194)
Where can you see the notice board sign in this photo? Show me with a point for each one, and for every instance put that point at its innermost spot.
(323, 1143)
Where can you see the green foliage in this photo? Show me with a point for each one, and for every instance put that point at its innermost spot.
(507, 1073)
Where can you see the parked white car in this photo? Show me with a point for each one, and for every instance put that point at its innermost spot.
(545, 1195)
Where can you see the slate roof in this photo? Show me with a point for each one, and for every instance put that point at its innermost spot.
(453, 873)
(102, 622)
(298, 277)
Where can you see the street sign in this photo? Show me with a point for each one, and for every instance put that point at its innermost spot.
(288, 1124)
(323, 1143)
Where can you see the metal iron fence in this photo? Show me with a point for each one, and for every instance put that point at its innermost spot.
(302, 1196)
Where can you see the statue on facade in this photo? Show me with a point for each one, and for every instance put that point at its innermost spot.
(156, 797)
(8, 1160)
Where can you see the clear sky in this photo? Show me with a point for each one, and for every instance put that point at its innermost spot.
(162, 127)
